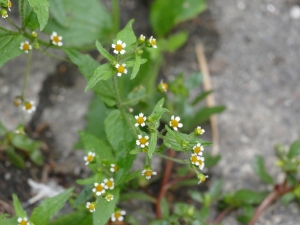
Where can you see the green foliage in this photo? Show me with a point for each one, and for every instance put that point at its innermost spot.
(137, 196)
(260, 169)
(41, 8)
(18, 208)
(15, 158)
(49, 207)
(164, 15)
(82, 218)
(28, 15)
(294, 149)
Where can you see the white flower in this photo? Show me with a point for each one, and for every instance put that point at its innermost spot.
(113, 168)
(89, 158)
(118, 216)
(140, 120)
(142, 37)
(25, 46)
(119, 47)
(121, 69)
(198, 149)
(174, 123)
(91, 206)
(153, 42)
(109, 197)
(99, 189)
(29, 107)
(197, 160)
(142, 141)
(56, 40)
(23, 221)
(109, 184)
(199, 131)
(201, 163)
(202, 179)
(148, 173)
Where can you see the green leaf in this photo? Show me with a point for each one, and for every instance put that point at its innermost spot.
(36, 157)
(103, 72)
(211, 160)
(86, 181)
(294, 149)
(158, 110)
(174, 42)
(196, 195)
(9, 221)
(105, 209)
(203, 114)
(25, 143)
(41, 8)
(124, 165)
(17, 206)
(84, 196)
(136, 95)
(15, 158)
(247, 215)
(201, 97)
(49, 207)
(165, 208)
(136, 67)
(81, 30)
(131, 176)
(260, 170)
(94, 144)
(152, 144)
(190, 9)
(58, 11)
(249, 197)
(29, 17)
(215, 189)
(9, 45)
(138, 196)
(287, 198)
(2, 129)
(127, 35)
(87, 66)
(104, 53)
(193, 81)
(82, 218)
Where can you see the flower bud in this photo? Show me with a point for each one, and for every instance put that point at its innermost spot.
(36, 46)
(4, 13)
(18, 101)
(162, 87)
(198, 131)
(141, 39)
(34, 34)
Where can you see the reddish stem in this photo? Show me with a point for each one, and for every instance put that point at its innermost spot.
(164, 187)
(222, 214)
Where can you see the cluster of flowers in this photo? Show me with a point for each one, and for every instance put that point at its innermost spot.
(3, 12)
(119, 48)
(27, 106)
(103, 189)
(54, 39)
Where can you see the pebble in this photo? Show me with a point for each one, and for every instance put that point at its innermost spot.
(295, 12)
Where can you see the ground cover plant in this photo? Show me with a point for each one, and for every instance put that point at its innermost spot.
(137, 117)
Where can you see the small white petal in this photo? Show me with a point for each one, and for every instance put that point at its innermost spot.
(124, 45)
(119, 42)
(143, 124)
(177, 118)
(137, 124)
(122, 51)
(180, 125)
(138, 142)
(172, 117)
(136, 117)
(113, 45)
(117, 65)
(175, 128)
(139, 136)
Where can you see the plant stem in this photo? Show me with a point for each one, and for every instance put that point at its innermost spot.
(171, 158)
(163, 187)
(115, 15)
(120, 107)
(222, 214)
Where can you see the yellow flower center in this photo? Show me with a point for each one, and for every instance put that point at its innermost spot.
(28, 105)
(121, 69)
(9, 4)
(90, 158)
(115, 168)
(117, 215)
(174, 123)
(153, 41)
(143, 141)
(200, 162)
(109, 197)
(26, 47)
(118, 47)
(194, 159)
(164, 86)
(56, 39)
(203, 179)
(23, 222)
(91, 206)
(200, 131)
(99, 188)
(197, 149)
(148, 173)
(109, 183)
(140, 120)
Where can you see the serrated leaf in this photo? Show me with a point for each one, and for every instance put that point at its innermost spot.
(136, 95)
(81, 29)
(103, 72)
(158, 110)
(152, 144)
(87, 66)
(211, 160)
(82, 218)
(127, 35)
(105, 209)
(17, 206)
(94, 144)
(136, 67)
(41, 8)
(49, 207)
(29, 17)
(294, 149)
(9, 45)
(104, 53)
(138, 196)
(260, 170)
(15, 158)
